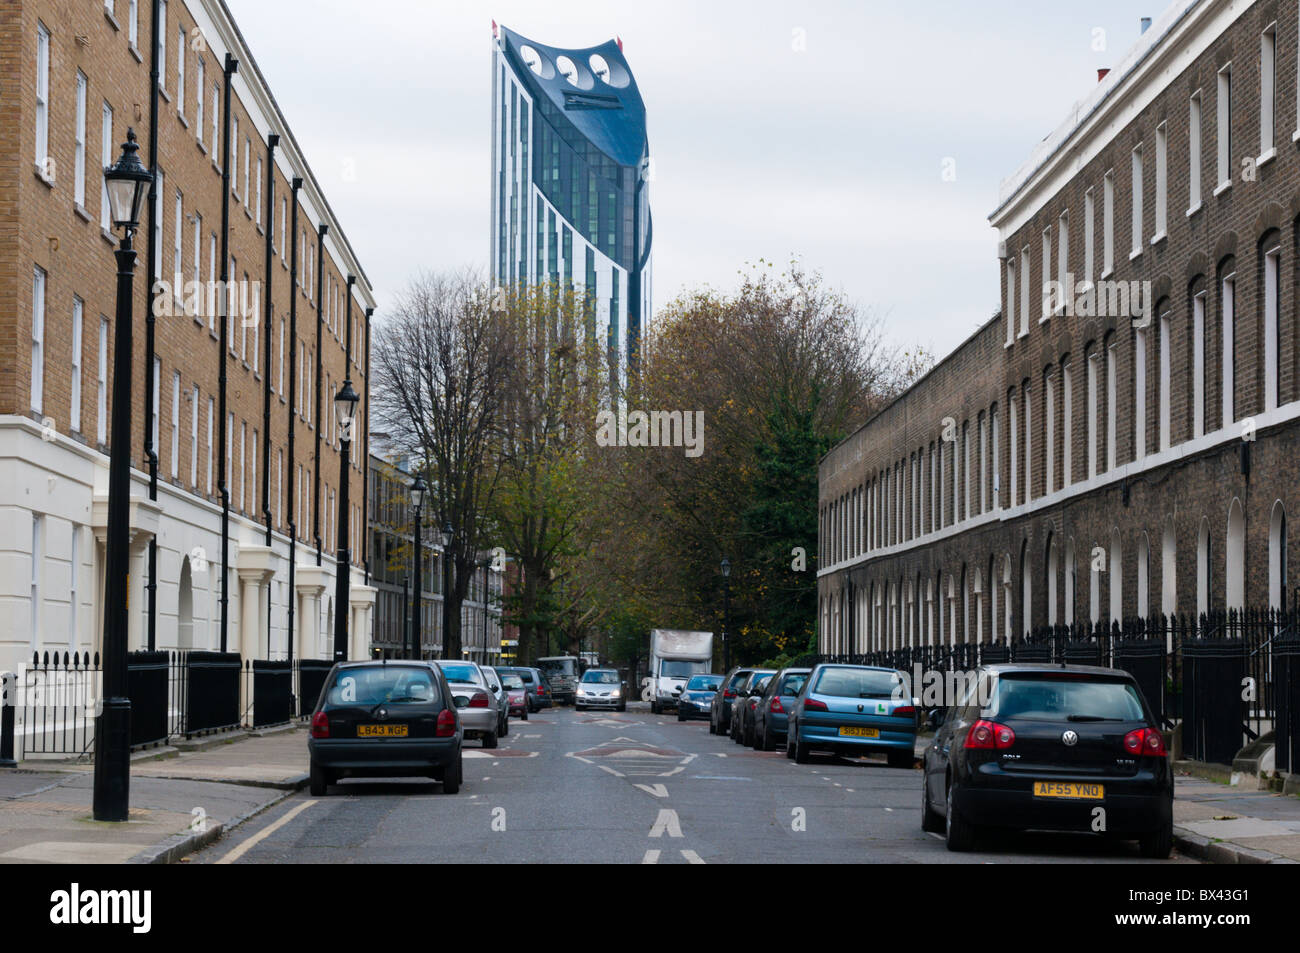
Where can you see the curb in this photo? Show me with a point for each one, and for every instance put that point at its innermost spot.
(1223, 852)
(177, 846)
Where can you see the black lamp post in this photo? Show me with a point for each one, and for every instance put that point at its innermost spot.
(128, 181)
(447, 537)
(345, 407)
(726, 614)
(484, 564)
(418, 491)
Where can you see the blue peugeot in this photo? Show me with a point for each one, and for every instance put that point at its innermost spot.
(853, 710)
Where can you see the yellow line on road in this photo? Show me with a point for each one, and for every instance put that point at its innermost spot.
(263, 834)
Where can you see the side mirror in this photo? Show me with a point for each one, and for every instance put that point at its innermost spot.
(935, 718)
(460, 700)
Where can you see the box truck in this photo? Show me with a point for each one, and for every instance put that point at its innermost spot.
(676, 655)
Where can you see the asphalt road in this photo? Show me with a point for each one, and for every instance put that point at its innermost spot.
(626, 788)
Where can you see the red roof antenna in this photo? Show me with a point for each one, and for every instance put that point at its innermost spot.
(494, 28)
(619, 41)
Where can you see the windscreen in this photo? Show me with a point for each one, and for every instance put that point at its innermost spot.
(460, 672)
(704, 683)
(1048, 698)
(792, 684)
(388, 684)
(600, 678)
(681, 668)
(552, 667)
(856, 683)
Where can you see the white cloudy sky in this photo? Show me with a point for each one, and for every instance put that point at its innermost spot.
(833, 153)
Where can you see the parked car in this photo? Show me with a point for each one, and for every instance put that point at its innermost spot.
(1041, 747)
(502, 699)
(742, 709)
(772, 713)
(720, 708)
(697, 697)
(539, 693)
(517, 694)
(853, 709)
(600, 688)
(480, 716)
(385, 719)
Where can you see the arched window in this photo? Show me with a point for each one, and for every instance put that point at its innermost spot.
(1115, 573)
(1052, 568)
(977, 585)
(1234, 558)
(1168, 563)
(1007, 624)
(1144, 576)
(1277, 577)
(1272, 311)
(1071, 580)
(1203, 589)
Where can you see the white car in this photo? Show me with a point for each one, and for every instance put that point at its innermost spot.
(600, 688)
(482, 716)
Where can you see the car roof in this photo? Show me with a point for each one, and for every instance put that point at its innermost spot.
(1048, 669)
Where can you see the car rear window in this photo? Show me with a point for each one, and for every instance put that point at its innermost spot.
(704, 683)
(791, 684)
(1054, 698)
(856, 683)
(510, 680)
(738, 678)
(456, 672)
(389, 684)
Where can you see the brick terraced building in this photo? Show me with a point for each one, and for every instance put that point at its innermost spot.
(1121, 438)
(74, 75)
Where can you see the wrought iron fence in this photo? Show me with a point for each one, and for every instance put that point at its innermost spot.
(1230, 676)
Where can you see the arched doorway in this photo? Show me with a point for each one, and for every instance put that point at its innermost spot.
(185, 607)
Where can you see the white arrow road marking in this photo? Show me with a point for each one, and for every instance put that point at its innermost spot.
(654, 790)
(667, 821)
(690, 758)
(270, 829)
(651, 857)
(669, 774)
(692, 857)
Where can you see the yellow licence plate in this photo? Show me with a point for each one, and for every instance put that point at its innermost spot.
(381, 731)
(1071, 789)
(846, 732)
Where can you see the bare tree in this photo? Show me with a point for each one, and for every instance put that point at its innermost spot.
(439, 363)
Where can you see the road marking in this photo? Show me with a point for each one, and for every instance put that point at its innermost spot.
(654, 790)
(690, 758)
(669, 774)
(692, 857)
(935, 836)
(651, 857)
(890, 810)
(838, 785)
(719, 754)
(266, 832)
(667, 821)
(610, 770)
(487, 779)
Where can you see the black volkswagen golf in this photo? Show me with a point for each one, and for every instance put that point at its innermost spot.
(385, 719)
(1050, 747)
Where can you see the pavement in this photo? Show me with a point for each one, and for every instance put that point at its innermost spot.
(566, 785)
(181, 799)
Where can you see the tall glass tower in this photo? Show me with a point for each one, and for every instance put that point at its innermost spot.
(570, 180)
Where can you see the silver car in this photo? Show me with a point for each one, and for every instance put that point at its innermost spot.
(600, 688)
(481, 716)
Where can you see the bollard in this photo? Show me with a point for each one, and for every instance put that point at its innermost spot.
(8, 704)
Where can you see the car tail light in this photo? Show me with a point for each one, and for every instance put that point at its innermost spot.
(776, 705)
(479, 700)
(1145, 741)
(905, 711)
(989, 735)
(320, 725)
(728, 694)
(812, 704)
(446, 723)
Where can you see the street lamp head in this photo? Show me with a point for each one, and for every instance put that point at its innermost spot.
(418, 492)
(128, 181)
(345, 406)
(726, 568)
(447, 535)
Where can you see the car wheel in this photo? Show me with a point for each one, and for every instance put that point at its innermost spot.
(524, 716)
(681, 715)
(505, 726)
(577, 707)
(767, 743)
(490, 740)
(901, 759)
(747, 736)
(713, 730)
(318, 780)
(801, 752)
(622, 706)
(451, 777)
(789, 743)
(960, 832)
(931, 822)
(1158, 843)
